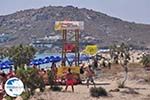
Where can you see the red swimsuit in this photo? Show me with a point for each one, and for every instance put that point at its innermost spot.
(69, 78)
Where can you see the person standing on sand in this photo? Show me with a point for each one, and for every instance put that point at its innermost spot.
(69, 80)
(54, 71)
(90, 74)
(82, 77)
(95, 63)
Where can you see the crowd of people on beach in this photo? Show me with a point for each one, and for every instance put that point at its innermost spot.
(86, 70)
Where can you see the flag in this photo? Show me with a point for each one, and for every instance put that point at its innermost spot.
(90, 49)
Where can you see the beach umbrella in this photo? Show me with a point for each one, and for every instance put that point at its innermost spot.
(5, 66)
(41, 61)
(36, 62)
(51, 58)
(71, 56)
(46, 60)
(9, 62)
(84, 58)
(31, 62)
(56, 59)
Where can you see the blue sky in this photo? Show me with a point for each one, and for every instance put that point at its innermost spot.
(129, 10)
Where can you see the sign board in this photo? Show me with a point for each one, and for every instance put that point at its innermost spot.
(63, 70)
(69, 25)
(14, 87)
(69, 47)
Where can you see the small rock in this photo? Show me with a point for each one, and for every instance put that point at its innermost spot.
(114, 90)
(37, 90)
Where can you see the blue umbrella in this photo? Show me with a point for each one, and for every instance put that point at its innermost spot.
(9, 62)
(84, 58)
(71, 57)
(5, 66)
(57, 59)
(36, 62)
(41, 61)
(52, 58)
(46, 60)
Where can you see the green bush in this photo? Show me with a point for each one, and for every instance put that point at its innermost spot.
(96, 92)
(146, 60)
(25, 95)
(31, 79)
(8, 98)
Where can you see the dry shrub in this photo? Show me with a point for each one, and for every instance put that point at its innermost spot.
(96, 92)
(25, 95)
(56, 88)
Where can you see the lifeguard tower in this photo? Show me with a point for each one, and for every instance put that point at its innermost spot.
(70, 31)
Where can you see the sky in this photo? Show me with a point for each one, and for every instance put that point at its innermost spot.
(129, 10)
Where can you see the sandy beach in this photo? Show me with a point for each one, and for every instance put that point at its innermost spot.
(137, 86)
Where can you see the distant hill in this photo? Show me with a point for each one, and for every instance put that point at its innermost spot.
(40, 22)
